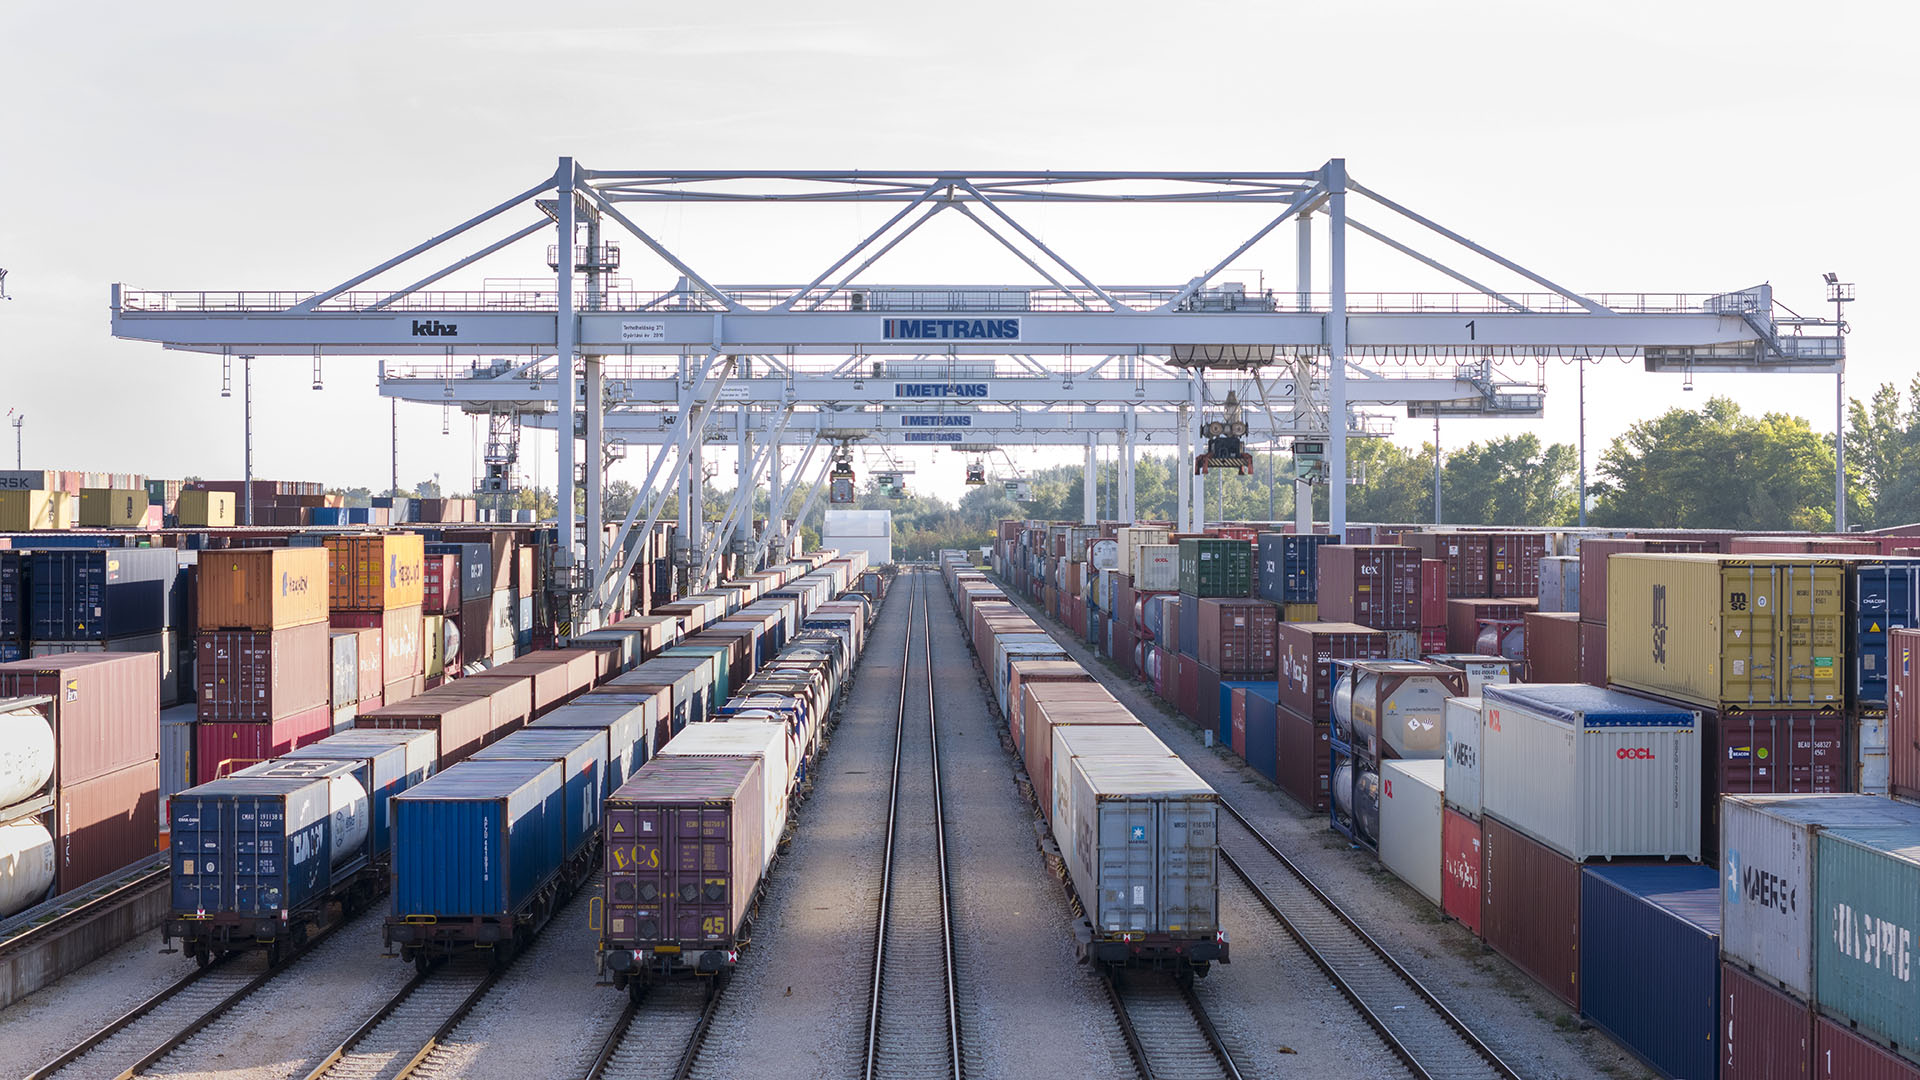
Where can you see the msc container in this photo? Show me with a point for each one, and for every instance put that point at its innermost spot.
(1395, 708)
(1289, 566)
(1592, 773)
(767, 743)
(1840, 1054)
(262, 588)
(1305, 652)
(1373, 585)
(1560, 583)
(1146, 848)
(1885, 597)
(629, 730)
(376, 573)
(1212, 566)
(104, 708)
(1462, 717)
(1767, 844)
(1715, 630)
(1530, 908)
(82, 595)
(261, 676)
(1410, 823)
(582, 754)
(1466, 556)
(1764, 1034)
(1461, 866)
(1650, 962)
(269, 839)
(477, 841)
(1237, 637)
(395, 761)
(1867, 900)
(684, 853)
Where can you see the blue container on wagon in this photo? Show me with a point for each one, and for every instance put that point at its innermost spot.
(396, 759)
(1886, 597)
(1287, 566)
(1650, 963)
(628, 727)
(1263, 729)
(328, 516)
(582, 752)
(267, 839)
(97, 594)
(479, 840)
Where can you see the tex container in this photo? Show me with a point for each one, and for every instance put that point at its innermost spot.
(1764, 1034)
(1650, 962)
(1237, 637)
(1867, 904)
(1767, 842)
(1530, 908)
(629, 729)
(684, 853)
(1729, 630)
(1410, 823)
(1592, 773)
(395, 761)
(1885, 597)
(1146, 849)
(478, 840)
(261, 676)
(104, 710)
(1373, 585)
(262, 588)
(1213, 566)
(80, 595)
(1288, 566)
(582, 755)
(1305, 652)
(269, 839)
(376, 573)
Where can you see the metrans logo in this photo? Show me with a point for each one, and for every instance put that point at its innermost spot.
(951, 329)
(937, 420)
(939, 390)
(435, 328)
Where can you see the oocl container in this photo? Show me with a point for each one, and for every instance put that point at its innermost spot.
(1397, 704)
(1410, 823)
(1650, 962)
(1463, 754)
(1592, 773)
(1867, 896)
(1715, 630)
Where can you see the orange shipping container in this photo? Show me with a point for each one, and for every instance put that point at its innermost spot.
(376, 573)
(262, 588)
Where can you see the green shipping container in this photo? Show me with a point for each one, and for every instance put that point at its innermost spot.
(1211, 567)
(1867, 899)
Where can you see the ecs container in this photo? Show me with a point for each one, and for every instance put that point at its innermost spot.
(1145, 858)
(1592, 773)
(477, 841)
(1650, 962)
(1410, 823)
(262, 588)
(1530, 908)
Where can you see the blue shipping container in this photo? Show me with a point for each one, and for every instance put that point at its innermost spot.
(1886, 596)
(476, 568)
(1287, 566)
(629, 731)
(13, 595)
(97, 594)
(264, 840)
(478, 840)
(1189, 631)
(582, 752)
(329, 516)
(1650, 963)
(1263, 729)
(1227, 687)
(395, 759)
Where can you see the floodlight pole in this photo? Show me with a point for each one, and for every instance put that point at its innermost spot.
(1839, 292)
(1582, 362)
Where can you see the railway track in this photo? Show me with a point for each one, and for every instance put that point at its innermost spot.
(38, 923)
(396, 1040)
(913, 1027)
(658, 1038)
(1419, 1029)
(1168, 1031)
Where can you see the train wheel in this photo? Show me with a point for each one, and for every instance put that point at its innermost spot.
(275, 953)
(202, 957)
(421, 963)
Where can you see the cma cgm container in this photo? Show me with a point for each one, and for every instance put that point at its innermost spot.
(1373, 585)
(262, 588)
(1530, 908)
(1867, 892)
(1650, 962)
(1729, 630)
(1592, 773)
(684, 857)
(1213, 566)
(1886, 596)
(92, 595)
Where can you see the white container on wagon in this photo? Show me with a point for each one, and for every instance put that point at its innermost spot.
(1463, 755)
(1591, 773)
(1410, 815)
(1149, 860)
(1767, 901)
(746, 738)
(1020, 647)
(1106, 740)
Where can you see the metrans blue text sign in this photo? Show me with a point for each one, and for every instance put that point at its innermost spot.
(939, 390)
(950, 329)
(936, 420)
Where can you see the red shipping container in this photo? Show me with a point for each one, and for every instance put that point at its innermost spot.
(255, 676)
(1463, 619)
(464, 724)
(1433, 639)
(1841, 1054)
(401, 636)
(1530, 908)
(1305, 749)
(1237, 637)
(1593, 567)
(1460, 868)
(1433, 593)
(1305, 650)
(1464, 558)
(1903, 713)
(105, 711)
(104, 823)
(442, 584)
(1764, 1034)
(1238, 702)
(1593, 653)
(1513, 563)
(1188, 686)
(223, 748)
(1372, 585)
(1553, 647)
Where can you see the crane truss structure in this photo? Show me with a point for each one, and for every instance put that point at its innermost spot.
(1072, 360)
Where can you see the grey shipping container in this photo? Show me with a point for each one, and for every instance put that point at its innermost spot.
(345, 665)
(476, 568)
(1148, 851)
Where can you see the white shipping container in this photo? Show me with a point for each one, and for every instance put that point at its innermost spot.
(1410, 815)
(1156, 568)
(1560, 583)
(1104, 740)
(176, 749)
(1767, 904)
(1591, 773)
(1131, 539)
(1147, 857)
(1010, 647)
(1463, 755)
(745, 738)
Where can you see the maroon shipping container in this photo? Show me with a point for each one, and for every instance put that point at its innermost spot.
(1764, 1034)
(1903, 713)
(1463, 619)
(1513, 563)
(1465, 556)
(222, 748)
(476, 629)
(1237, 637)
(1553, 647)
(1207, 698)
(510, 698)
(1374, 585)
(1433, 593)
(1305, 747)
(1461, 867)
(1593, 653)
(1189, 686)
(1593, 567)
(1841, 1054)
(1530, 908)
(684, 853)
(555, 675)
(105, 711)
(1237, 723)
(104, 823)
(1305, 651)
(253, 676)
(442, 577)
(465, 724)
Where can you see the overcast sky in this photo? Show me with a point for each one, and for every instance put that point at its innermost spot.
(1696, 147)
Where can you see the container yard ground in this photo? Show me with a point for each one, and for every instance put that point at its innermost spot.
(1529, 1028)
(42, 1024)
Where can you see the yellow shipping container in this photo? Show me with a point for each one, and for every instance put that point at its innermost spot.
(25, 511)
(1728, 629)
(66, 510)
(377, 573)
(206, 509)
(112, 508)
(433, 639)
(1300, 613)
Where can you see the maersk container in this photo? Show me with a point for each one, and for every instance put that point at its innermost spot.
(767, 743)
(1463, 755)
(1108, 741)
(1729, 630)
(1398, 703)
(477, 841)
(583, 754)
(1767, 865)
(1410, 819)
(1145, 861)
(1650, 963)
(629, 728)
(1886, 597)
(395, 760)
(1867, 903)
(267, 839)
(1592, 773)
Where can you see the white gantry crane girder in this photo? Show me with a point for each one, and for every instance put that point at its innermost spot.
(1041, 361)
